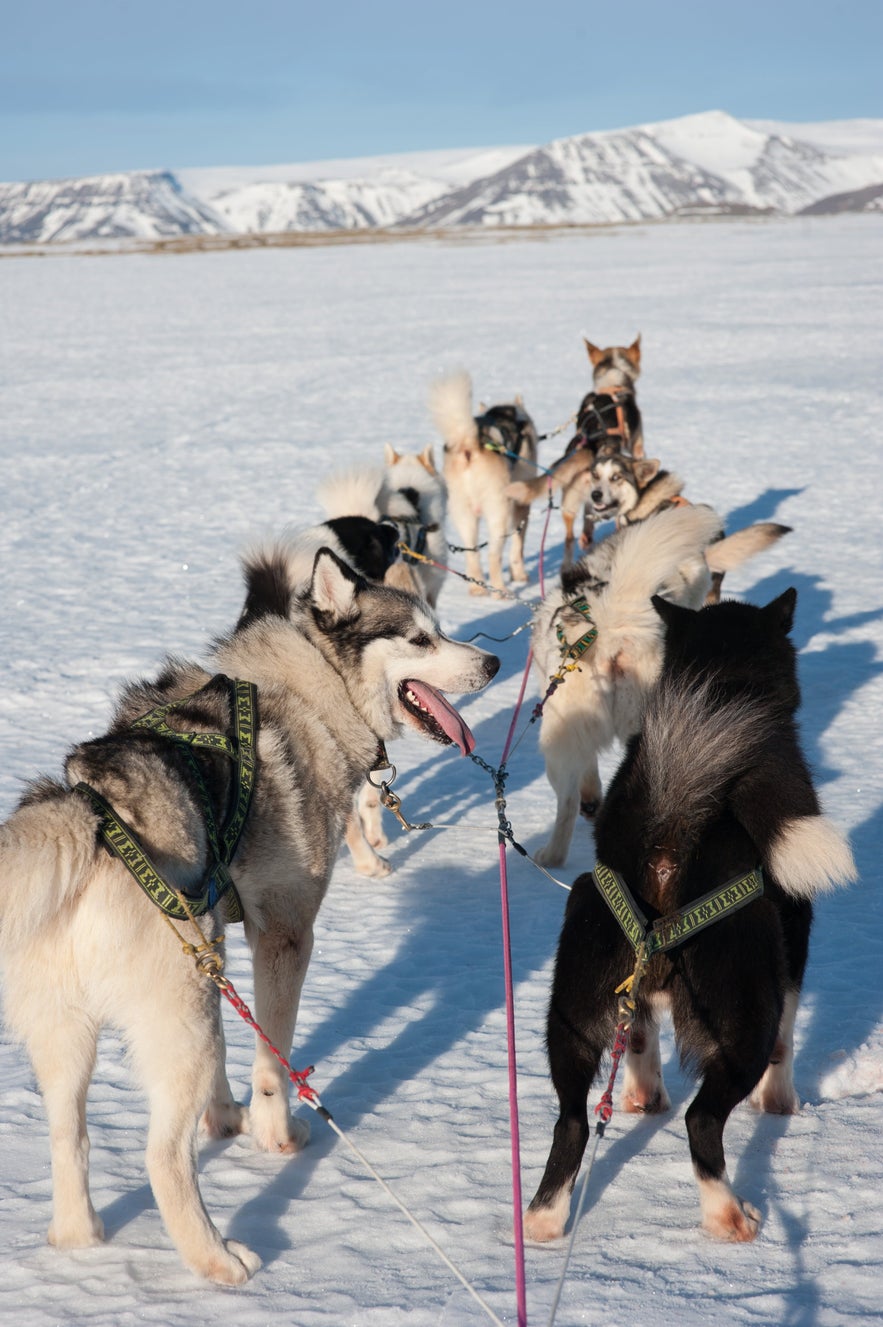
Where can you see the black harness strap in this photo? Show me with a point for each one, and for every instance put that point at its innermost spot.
(667, 932)
(120, 838)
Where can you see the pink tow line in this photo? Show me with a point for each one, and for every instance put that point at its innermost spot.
(518, 1231)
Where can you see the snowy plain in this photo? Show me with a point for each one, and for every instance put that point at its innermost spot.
(158, 412)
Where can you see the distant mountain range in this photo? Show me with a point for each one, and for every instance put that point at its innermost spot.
(707, 164)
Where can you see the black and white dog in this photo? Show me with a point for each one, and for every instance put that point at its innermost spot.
(714, 792)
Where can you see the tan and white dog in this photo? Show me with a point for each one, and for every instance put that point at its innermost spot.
(609, 591)
(482, 454)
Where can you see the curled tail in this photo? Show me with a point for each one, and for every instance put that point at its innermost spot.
(47, 851)
(655, 557)
(450, 402)
(353, 492)
(744, 544)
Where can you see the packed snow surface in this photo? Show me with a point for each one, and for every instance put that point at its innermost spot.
(161, 411)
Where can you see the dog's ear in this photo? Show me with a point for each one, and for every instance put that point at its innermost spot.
(594, 353)
(633, 352)
(427, 459)
(645, 469)
(781, 611)
(669, 612)
(334, 586)
(390, 455)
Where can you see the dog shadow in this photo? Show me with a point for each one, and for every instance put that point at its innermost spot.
(829, 677)
(762, 508)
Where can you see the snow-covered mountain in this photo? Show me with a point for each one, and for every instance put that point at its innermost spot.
(707, 163)
(134, 204)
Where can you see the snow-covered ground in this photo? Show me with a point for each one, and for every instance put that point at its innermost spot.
(157, 412)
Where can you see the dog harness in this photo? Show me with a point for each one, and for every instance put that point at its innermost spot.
(673, 929)
(121, 840)
(593, 420)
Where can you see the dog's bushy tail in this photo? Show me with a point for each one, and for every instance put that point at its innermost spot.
(691, 744)
(654, 557)
(744, 544)
(450, 403)
(353, 492)
(693, 752)
(47, 850)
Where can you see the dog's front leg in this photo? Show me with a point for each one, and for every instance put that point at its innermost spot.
(280, 965)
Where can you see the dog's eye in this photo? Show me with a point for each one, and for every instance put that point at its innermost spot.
(616, 479)
(421, 640)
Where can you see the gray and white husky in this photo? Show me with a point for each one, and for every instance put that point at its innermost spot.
(338, 669)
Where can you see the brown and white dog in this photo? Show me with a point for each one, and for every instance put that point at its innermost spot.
(482, 454)
(608, 421)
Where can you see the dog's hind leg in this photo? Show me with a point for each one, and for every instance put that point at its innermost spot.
(730, 1071)
(178, 1075)
(775, 1092)
(579, 1028)
(517, 568)
(63, 1056)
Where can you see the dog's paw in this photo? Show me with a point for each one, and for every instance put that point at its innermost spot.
(520, 576)
(639, 1101)
(775, 1098)
(377, 869)
(547, 1221)
(477, 590)
(284, 1142)
(230, 1265)
(725, 1215)
(82, 1233)
(550, 855)
(223, 1119)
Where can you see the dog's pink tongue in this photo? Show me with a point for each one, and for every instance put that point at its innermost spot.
(444, 714)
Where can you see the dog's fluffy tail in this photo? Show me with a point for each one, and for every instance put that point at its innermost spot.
(353, 492)
(450, 402)
(653, 557)
(743, 544)
(47, 849)
(692, 745)
(562, 474)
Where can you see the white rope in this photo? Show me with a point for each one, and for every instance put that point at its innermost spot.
(576, 1219)
(413, 1219)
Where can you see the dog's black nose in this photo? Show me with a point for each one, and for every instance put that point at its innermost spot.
(491, 666)
(597, 495)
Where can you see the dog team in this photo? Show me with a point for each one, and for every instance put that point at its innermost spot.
(225, 792)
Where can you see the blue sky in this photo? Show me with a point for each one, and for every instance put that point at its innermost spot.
(88, 86)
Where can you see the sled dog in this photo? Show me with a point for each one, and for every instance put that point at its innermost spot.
(338, 669)
(608, 421)
(482, 454)
(605, 599)
(711, 817)
(409, 491)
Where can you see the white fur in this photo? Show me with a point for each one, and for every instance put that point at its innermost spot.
(477, 480)
(603, 699)
(810, 856)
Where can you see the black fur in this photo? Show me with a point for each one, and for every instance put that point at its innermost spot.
(507, 425)
(267, 591)
(370, 546)
(597, 416)
(702, 791)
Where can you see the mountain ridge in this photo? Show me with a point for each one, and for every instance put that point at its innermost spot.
(709, 163)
